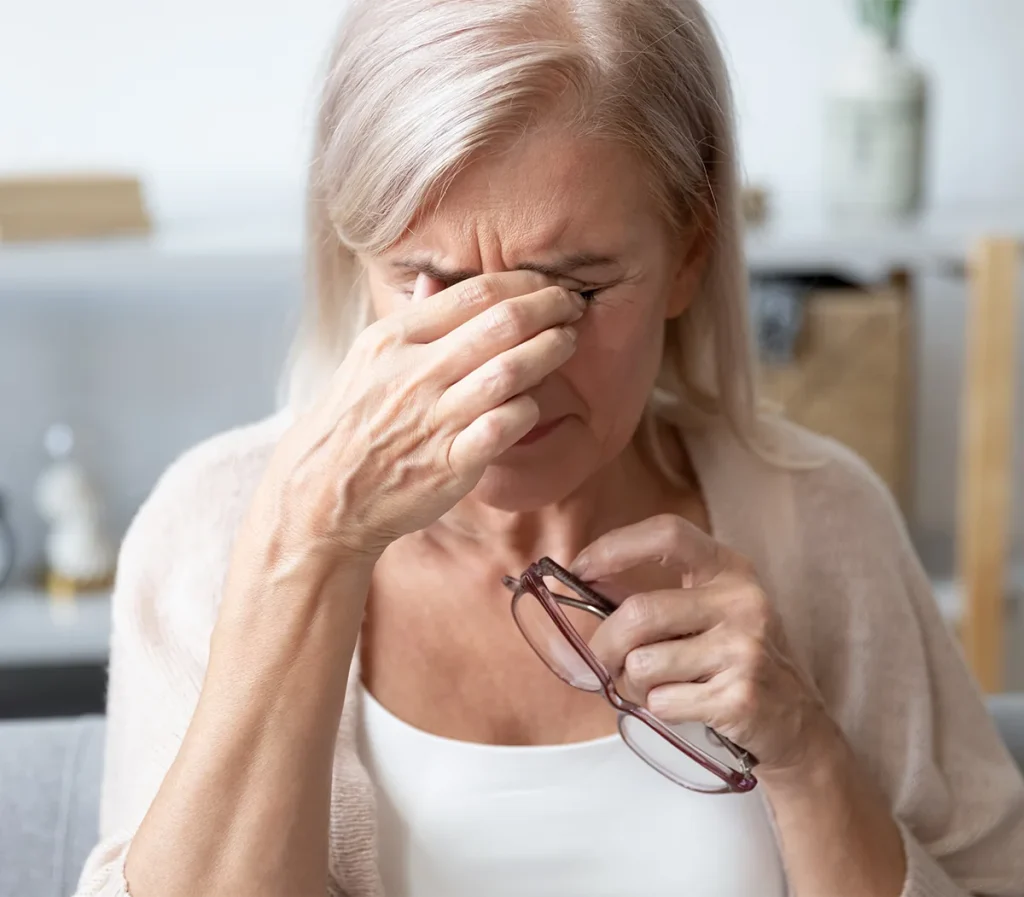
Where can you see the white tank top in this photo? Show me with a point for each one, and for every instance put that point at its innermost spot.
(458, 819)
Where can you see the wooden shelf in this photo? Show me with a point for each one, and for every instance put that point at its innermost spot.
(792, 243)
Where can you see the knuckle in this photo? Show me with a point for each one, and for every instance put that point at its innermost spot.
(751, 607)
(669, 529)
(743, 699)
(748, 652)
(490, 431)
(564, 338)
(517, 315)
(502, 378)
(640, 611)
(377, 331)
(562, 296)
(476, 292)
(638, 664)
(500, 320)
(381, 335)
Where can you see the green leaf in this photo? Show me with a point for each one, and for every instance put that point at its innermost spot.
(884, 16)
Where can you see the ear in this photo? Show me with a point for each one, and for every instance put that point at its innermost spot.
(689, 275)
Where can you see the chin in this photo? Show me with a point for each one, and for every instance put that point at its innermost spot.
(527, 478)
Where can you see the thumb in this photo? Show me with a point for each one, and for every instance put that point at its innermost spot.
(667, 540)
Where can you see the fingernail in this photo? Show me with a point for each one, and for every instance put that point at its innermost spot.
(581, 303)
(422, 288)
(578, 567)
(570, 332)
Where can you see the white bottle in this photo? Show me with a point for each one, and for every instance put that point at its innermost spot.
(79, 555)
(875, 126)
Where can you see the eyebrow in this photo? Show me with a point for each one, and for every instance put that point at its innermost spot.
(566, 265)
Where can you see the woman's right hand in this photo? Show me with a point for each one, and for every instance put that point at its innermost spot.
(425, 400)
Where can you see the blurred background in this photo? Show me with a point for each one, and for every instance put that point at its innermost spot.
(152, 160)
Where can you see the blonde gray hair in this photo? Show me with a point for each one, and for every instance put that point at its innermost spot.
(416, 88)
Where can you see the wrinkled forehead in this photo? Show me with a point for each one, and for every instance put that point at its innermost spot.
(548, 192)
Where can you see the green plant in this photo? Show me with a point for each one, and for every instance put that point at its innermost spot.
(884, 16)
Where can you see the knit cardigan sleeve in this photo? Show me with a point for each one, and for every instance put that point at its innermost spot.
(171, 565)
(895, 680)
(149, 700)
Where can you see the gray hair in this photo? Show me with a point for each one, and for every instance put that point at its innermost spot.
(416, 89)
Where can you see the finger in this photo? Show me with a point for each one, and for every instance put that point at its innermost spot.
(426, 286)
(666, 539)
(491, 434)
(683, 702)
(508, 375)
(504, 326)
(652, 617)
(447, 309)
(694, 659)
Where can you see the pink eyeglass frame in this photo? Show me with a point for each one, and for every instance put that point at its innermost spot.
(532, 582)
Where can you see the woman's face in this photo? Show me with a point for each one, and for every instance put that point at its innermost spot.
(580, 208)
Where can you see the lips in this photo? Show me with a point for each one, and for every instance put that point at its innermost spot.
(540, 431)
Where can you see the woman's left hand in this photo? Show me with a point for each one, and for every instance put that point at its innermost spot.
(712, 650)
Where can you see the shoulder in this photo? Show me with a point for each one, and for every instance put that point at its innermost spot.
(821, 488)
(834, 485)
(820, 526)
(176, 550)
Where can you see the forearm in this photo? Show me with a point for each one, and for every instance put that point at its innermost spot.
(245, 806)
(835, 830)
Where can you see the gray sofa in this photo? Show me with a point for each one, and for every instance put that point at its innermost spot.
(49, 796)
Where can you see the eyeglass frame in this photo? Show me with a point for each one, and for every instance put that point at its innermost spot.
(596, 604)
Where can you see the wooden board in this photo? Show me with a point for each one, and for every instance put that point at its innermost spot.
(63, 207)
(986, 474)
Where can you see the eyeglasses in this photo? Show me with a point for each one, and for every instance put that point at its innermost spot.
(690, 754)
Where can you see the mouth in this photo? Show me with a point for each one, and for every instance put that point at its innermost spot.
(542, 430)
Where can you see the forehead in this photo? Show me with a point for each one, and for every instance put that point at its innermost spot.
(549, 192)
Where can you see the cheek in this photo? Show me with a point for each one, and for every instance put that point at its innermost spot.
(384, 298)
(616, 365)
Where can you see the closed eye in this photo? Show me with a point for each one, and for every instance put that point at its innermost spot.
(589, 295)
(593, 294)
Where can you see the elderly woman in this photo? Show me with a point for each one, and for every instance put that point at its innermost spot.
(526, 339)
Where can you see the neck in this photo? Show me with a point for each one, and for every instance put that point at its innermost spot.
(626, 490)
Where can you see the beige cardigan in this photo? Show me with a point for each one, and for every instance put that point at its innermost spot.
(829, 546)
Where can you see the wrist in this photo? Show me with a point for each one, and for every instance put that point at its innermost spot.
(278, 585)
(822, 761)
(835, 827)
(271, 548)
(289, 632)
(294, 516)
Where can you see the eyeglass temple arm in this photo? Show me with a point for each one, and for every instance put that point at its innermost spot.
(590, 600)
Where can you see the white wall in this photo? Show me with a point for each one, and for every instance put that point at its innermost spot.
(784, 51)
(211, 99)
(208, 99)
